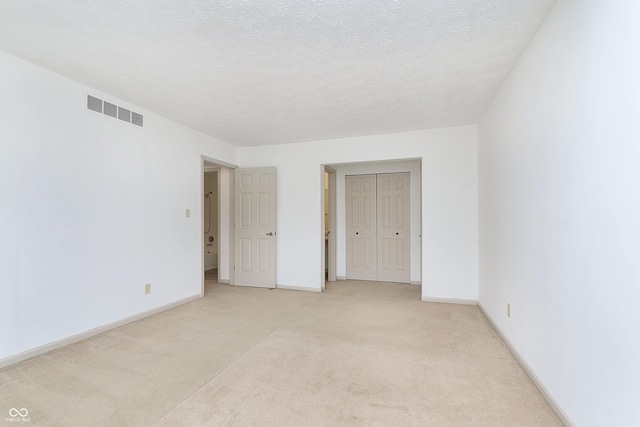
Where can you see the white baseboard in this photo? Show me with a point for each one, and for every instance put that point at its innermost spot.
(417, 283)
(451, 300)
(7, 361)
(224, 281)
(297, 288)
(543, 390)
(341, 277)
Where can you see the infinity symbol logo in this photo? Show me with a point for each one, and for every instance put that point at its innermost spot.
(13, 412)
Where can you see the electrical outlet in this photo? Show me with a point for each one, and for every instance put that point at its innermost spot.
(147, 288)
(508, 310)
(187, 213)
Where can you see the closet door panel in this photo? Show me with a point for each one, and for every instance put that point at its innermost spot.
(402, 231)
(354, 270)
(386, 240)
(368, 229)
(361, 227)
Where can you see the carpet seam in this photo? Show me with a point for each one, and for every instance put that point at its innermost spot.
(254, 390)
(215, 376)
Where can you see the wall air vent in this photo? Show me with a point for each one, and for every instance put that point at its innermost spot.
(124, 114)
(136, 118)
(111, 110)
(94, 104)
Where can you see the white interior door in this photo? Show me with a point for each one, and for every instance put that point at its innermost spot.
(361, 227)
(386, 241)
(255, 227)
(352, 192)
(399, 258)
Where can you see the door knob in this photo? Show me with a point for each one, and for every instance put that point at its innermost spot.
(270, 233)
(357, 232)
(396, 234)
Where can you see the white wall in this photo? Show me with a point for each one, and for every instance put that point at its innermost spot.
(91, 209)
(559, 180)
(411, 166)
(449, 203)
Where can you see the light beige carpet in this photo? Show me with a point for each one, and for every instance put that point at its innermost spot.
(362, 353)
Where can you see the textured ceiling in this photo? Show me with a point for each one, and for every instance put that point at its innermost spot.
(254, 72)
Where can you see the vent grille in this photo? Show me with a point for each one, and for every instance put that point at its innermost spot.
(94, 104)
(111, 110)
(136, 119)
(124, 114)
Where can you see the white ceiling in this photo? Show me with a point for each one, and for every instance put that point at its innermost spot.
(254, 72)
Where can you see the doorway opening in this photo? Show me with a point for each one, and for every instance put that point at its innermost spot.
(210, 213)
(329, 225)
(216, 222)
